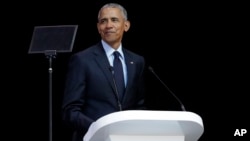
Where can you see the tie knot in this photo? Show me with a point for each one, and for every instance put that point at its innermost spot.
(116, 54)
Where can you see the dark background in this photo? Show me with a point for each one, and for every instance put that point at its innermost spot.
(200, 50)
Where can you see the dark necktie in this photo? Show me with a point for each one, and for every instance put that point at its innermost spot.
(118, 74)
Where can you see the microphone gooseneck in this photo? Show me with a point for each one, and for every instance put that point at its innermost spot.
(152, 70)
(111, 69)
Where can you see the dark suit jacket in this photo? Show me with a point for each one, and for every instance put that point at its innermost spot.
(90, 92)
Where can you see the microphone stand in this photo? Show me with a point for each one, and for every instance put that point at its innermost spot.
(50, 54)
(182, 105)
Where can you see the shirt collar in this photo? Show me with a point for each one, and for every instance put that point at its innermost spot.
(109, 50)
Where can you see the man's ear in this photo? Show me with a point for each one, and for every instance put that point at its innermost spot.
(126, 26)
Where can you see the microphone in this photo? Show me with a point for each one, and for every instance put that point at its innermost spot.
(111, 69)
(152, 70)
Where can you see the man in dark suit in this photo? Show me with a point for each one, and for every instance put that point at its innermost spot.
(91, 89)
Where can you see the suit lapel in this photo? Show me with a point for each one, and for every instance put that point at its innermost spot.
(130, 63)
(102, 61)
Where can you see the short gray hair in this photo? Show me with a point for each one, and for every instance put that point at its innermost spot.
(114, 5)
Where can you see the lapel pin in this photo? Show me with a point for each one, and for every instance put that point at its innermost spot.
(132, 62)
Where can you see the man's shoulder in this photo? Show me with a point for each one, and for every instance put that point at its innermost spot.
(132, 53)
(89, 49)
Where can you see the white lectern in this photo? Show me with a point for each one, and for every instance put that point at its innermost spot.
(144, 125)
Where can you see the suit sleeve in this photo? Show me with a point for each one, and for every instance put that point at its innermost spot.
(74, 95)
(141, 89)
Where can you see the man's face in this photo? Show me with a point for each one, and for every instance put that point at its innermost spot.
(111, 26)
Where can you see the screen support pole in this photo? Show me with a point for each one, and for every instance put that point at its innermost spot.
(50, 54)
